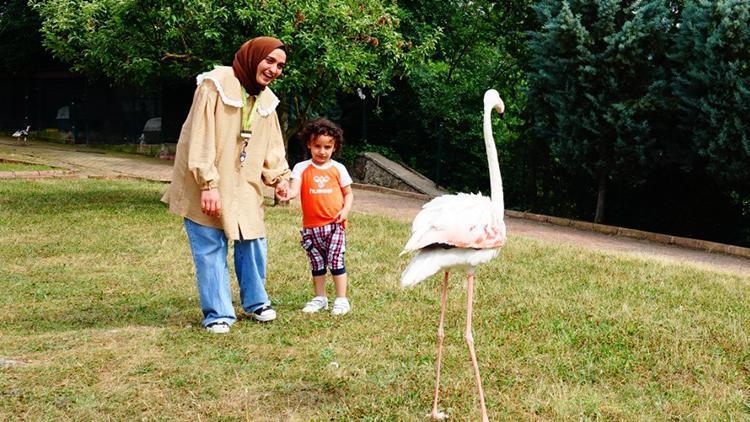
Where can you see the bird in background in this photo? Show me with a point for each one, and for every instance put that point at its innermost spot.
(459, 232)
(22, 133)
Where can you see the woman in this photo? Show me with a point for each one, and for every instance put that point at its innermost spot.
(231, 142)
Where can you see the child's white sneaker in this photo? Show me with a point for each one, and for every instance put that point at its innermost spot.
(341, 306)
(317, 304)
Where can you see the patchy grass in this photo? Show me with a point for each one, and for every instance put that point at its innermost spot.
(100, 309)
(16, 166)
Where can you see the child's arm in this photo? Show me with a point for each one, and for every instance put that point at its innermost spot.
(348, 201)
(294, 186)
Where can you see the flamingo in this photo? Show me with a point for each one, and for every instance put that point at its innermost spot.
(459, 232)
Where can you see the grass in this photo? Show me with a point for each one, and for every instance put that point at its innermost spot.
(14, 166)
(101, 312)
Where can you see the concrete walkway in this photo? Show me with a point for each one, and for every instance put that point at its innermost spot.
(86, 161)
(81, 161)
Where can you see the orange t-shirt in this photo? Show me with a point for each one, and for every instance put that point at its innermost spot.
(321, 191)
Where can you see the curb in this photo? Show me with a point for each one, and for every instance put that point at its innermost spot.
(33, 174)
(70, 174)
(125, 177)
(381, 189)
(665, 239)
(37, 174)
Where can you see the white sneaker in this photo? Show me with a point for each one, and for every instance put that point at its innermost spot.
(219, 327)
(341, 306)
(264, 314)
(317, 304)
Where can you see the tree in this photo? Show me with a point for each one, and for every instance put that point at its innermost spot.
(335, 45)
(338, 47)
(439, 104)
(712, 85)
(597, 71)
(20, 42)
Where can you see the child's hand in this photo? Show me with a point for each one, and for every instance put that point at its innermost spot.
(341, 216)
(282, 190)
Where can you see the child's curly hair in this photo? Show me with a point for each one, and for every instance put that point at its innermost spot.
(321, 126)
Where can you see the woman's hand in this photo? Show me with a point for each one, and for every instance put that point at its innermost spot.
(211, 202)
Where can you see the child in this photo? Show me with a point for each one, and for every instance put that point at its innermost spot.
(325, 191)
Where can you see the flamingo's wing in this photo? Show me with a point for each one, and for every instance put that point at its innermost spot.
(463, 220)
(428, 261)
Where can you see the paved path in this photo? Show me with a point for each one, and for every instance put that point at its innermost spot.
(86, 161)
(90, 162)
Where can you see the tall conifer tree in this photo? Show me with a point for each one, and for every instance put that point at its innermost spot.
(596, 69)
(712, 85)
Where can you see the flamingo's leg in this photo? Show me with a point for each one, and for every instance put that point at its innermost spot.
(435, 415)
(470, 342)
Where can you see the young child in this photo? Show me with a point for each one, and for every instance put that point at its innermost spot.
(325, 191)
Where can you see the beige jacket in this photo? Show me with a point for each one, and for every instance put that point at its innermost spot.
(208, 154)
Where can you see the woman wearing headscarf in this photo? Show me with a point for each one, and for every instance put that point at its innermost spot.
(230, 143)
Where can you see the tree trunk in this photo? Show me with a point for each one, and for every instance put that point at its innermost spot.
(601, 199)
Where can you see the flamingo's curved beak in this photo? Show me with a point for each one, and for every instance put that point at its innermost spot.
(492, 99)
(500, 107)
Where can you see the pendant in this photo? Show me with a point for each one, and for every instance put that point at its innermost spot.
(246, 134)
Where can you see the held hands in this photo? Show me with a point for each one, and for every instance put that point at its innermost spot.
(211, 203)
(282, 190)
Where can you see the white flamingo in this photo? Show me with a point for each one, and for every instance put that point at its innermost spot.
(459, 231)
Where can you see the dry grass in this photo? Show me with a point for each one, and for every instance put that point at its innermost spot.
(14, 166)
(101, 316)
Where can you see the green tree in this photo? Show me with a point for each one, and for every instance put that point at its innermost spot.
(439, 105)
(338, 47)
(20, 41)
(596, 75)
(712, 85)
(335, 45)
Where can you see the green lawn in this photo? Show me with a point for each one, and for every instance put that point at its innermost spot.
(13, 166)
(99, 306)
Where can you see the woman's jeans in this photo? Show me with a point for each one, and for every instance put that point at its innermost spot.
(209, 248)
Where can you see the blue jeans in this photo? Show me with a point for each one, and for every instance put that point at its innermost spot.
(209, 248)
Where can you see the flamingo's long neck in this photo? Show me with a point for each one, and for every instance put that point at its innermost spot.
(496, 182)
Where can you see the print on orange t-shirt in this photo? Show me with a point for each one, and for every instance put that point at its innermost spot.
(321, 192)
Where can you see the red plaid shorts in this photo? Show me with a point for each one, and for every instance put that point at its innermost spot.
(325, 247)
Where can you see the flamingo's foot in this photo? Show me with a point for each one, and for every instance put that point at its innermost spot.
(437, 416)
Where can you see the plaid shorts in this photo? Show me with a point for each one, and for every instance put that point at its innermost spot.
(325, 247)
